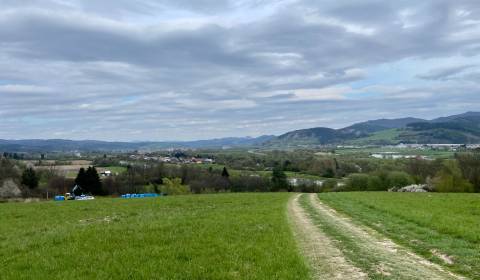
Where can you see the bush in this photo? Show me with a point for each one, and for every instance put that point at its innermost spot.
(246, 183)
(329, 185)
(307, 188)
(150, 188)
(469, 164)
(421, 169)
(8, 170)
(30, 178)
(450, 179)
(60, 184)
(111, 186)
(357, 182)
(174, 187)
(399, 179)
(375, 183)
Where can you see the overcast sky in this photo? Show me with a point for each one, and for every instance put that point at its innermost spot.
(181, 70)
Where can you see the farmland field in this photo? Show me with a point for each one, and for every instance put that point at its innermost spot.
(245, 236)
(232, 236)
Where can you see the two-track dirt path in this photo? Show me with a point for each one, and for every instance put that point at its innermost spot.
(326, 260)
(324, 253)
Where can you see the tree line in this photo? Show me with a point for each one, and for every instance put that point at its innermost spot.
(459, 174)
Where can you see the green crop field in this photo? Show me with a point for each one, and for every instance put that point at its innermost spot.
(231, 236)
(444, 228)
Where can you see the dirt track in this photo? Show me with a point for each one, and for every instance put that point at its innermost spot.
(390, 261)
(326, 261)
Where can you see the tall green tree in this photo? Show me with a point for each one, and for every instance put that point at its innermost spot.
(225, 173)
(89, 181)
(93, 182)
(279, 179)
(81, 178)
(30, 178)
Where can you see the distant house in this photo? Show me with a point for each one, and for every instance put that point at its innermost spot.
(208, 161)
(106, 173)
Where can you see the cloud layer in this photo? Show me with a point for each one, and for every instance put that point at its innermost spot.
(180, 70)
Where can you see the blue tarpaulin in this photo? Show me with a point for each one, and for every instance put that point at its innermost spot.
(140, 195)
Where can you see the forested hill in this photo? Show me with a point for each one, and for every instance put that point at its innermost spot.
(458, 129)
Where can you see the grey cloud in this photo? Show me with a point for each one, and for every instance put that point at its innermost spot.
(445, 73)
(131, 69)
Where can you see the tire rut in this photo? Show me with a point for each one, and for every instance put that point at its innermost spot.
(394, 261)
(325, 259)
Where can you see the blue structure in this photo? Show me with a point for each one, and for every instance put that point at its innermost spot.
(59, 198)
(140, 195)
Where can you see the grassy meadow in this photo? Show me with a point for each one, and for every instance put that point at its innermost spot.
(444, 228)
(224, 236)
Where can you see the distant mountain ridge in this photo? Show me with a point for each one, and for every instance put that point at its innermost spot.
(62, 145)
(458, 129)
(455, 129)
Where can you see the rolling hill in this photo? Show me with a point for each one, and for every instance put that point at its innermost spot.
(61, 145)
(457, 129)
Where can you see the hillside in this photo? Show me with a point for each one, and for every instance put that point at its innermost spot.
(458, 129)
(60, 145)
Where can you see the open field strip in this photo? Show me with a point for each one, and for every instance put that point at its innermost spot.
(443, 228)
(224, 236)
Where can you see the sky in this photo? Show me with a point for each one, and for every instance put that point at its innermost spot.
(163, 70)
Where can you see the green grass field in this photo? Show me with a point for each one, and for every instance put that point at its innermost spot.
(116, 169)
(433, 225)
(388, 136)
(237, 172)
(227, 236)
(366, 152)
(231, 236)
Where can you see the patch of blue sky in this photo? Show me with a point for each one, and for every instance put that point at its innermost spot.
(390, 74)
(362, 95)
(406, 72)
(6, 82)
(130, 99)
(34, 120)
